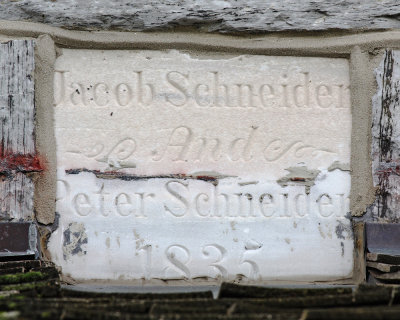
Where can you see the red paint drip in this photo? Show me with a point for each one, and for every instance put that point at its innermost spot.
(20, 163)
(386, 169)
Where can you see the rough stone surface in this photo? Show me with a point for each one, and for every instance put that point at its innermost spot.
(154, 147)
(362, 89)
(221, 16)
(45, 187)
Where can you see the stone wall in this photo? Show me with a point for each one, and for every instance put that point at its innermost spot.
(223, 16)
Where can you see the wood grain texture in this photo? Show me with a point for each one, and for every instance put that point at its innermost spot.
(386, 139)
(16, 129)
(17, 97)
(211, 16)
(16, 198)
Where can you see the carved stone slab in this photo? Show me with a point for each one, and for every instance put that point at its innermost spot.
(175, 165)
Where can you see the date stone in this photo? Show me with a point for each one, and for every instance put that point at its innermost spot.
(173, 165)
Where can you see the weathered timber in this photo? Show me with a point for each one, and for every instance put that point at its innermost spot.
(17, 97)
(383, 267)
(372, 295)
(230, 290)
(386, 139)
(17, 144)
(68, 292)
(36, 295)
(16, 198)
(393, 277)
(217, 16)
(383, 258)
(371, 313)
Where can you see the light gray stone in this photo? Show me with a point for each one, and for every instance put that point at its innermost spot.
(217, 15)
(154, 147)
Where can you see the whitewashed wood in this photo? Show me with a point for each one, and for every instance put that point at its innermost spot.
(222, 16)
(16, 126)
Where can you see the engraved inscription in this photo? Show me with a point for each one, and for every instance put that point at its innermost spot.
(182, 198)
(178, 256)
(203, 166)
(220, 253)
(178, 89)
(171, 114)
(182, 146)
(116, 158)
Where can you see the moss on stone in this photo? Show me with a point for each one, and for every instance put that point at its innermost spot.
(22, 277)
(12, 305)
(26, 286)
(45, 315)
(9, 315)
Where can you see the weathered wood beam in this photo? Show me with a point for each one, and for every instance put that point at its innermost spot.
(386, 139)
(16, 198)
(17, 137)
(17, 97)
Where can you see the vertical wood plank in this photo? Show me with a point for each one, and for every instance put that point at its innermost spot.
(16, 198)
(386, 139)
(17, 97)
(17, 142)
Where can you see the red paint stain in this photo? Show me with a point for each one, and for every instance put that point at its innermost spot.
(386, 169)
(20, 163)
(206, 178)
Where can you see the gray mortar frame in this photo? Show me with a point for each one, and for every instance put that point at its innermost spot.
(363, 50)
